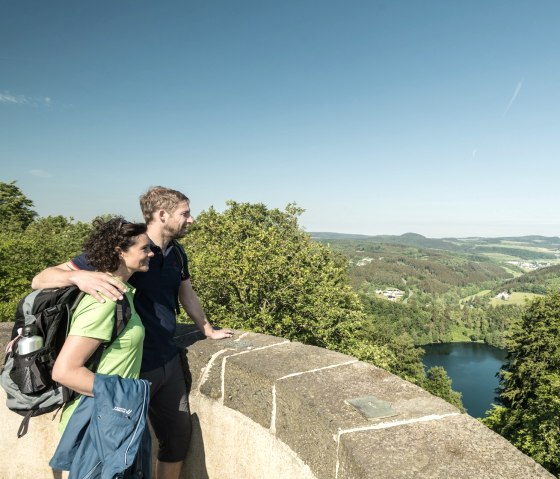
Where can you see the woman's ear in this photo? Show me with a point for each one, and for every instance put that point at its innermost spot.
(119, 251)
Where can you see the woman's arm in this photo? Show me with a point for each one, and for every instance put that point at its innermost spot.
(69, 368)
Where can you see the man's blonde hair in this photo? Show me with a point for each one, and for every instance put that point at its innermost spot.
(160, 198)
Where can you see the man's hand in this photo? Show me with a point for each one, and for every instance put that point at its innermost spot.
(98, 284)
(219, 333)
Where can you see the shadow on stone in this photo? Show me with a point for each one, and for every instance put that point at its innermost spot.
(195, 464)
(186, 335)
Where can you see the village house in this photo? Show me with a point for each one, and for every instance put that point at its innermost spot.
(390, 294)
(503, 295)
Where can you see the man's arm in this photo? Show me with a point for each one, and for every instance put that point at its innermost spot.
(91, 282)
(191, 303)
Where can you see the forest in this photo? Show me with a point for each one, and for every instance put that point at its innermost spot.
(448, 284)
(256, 269)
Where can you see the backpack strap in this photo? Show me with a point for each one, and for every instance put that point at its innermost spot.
(22, 430)
(122, 315)
(179, 254)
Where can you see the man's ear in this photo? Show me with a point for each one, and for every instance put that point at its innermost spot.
(161, 215)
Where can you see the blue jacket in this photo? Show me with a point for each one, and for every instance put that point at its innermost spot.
(107, 433)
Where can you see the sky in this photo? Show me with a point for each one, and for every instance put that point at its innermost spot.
(376, 117)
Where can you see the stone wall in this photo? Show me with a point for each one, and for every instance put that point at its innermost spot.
(264, 407)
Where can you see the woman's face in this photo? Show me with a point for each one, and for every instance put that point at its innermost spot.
(137, 257)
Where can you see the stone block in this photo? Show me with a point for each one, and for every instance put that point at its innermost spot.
(311, 409)
(206, 357)
(250, 378)
(457, 447)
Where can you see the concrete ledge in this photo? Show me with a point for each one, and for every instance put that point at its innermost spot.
(266, 407)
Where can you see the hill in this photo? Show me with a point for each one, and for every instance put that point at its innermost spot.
(407, 239)
(548, 247)
(540, 281)
(435, 265)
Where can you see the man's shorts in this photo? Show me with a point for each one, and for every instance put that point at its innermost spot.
(169, 412)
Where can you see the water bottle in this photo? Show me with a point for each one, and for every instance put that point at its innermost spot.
(30, 340)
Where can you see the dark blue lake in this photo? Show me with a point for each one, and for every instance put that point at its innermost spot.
(472, 367)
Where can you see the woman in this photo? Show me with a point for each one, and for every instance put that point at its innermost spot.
(121, 249)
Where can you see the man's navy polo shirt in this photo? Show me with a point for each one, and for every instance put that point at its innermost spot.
(155, 302)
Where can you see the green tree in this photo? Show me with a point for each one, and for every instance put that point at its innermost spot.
(254, 268)
(529, 393)
(45, 242)
(15, 208)
(439, 383)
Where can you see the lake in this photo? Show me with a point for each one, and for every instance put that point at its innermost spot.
(472, 367)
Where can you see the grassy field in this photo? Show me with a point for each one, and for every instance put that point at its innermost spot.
(520, 245)
(515, 298)
(480, 293)
(514, 273)
(500, 257)
(460, 335)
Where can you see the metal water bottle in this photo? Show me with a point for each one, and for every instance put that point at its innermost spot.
(30, 340)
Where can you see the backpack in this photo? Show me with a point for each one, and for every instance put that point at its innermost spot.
(27, 378)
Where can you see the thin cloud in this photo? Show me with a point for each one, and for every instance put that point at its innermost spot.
(40, 173)
(14, 99)
(8, 98)
(513, 97)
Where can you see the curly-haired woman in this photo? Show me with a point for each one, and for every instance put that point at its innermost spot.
(120, 248)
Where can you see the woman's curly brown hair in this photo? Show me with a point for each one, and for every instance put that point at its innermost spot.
(108, 234)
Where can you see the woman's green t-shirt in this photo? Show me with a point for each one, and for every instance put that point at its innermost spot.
(124, 356)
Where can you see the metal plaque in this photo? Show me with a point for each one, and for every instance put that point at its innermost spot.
(371, 407)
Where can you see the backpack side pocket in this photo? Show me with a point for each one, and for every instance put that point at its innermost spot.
(29, 372)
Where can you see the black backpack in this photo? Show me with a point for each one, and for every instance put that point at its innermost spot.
(27, 378)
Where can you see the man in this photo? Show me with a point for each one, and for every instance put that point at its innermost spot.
(167, 215)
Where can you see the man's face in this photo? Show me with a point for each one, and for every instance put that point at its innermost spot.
(178, 220)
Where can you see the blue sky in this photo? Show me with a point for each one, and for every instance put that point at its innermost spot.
(376, 117)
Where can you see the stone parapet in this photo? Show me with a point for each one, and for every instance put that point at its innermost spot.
(264, 407)
(301, 399)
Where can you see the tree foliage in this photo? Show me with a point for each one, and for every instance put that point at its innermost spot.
(255, 269)
(15, 208)
(439, 384)
(432, 271)
(436, 318)
(539, 281)
(45, 242)
(529, 393)
(28, 245)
